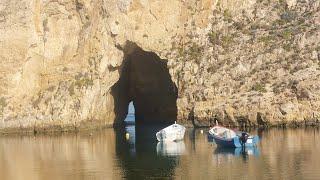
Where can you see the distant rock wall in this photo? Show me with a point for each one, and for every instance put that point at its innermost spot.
(241, 62)
(257, 63)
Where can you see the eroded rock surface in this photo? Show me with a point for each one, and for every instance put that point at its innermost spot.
(145, 80)
(239, 62)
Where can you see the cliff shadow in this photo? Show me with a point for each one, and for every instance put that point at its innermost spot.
(138, 156)
(145, 80)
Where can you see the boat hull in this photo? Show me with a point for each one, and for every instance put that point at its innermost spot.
(224, 142)
(232, 140)
(174, 132)
(235, 142)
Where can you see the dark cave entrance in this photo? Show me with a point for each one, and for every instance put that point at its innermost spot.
(145, 80)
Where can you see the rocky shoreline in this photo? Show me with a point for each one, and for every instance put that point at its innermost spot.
(51, 130)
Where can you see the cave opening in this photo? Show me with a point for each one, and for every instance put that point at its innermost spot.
(130, 118)
(145, 81)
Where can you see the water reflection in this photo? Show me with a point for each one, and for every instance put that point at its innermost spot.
(146, 135)
(138, 155)
(61, 156)
(171, 148)
(237, 152)
(131, 139)
(106, 154)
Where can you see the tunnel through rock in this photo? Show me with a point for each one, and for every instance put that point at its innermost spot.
(145, 80)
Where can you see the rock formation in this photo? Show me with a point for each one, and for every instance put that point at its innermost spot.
(240, 62)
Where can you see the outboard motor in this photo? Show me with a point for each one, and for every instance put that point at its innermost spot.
(243, 138)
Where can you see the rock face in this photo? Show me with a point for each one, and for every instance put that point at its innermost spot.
(145, 80)
(240, 62)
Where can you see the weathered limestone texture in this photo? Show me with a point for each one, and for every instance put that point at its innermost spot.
(241, 62)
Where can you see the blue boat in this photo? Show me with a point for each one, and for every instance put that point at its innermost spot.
(225, 137)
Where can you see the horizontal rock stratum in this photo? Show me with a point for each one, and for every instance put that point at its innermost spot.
(240, 62)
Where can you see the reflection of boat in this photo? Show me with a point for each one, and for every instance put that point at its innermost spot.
(228, 138)
(173, 132)
(238, 151)
(171, 148)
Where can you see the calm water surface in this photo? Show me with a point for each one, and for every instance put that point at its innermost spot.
(106, 154)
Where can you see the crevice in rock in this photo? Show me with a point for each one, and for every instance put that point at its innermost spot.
(145, 80)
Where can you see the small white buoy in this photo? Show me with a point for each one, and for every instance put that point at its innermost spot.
(127, 136)
(201, 131)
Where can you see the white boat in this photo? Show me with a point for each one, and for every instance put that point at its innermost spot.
(174, 132)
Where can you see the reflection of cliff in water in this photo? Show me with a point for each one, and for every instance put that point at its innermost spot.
(138, 157)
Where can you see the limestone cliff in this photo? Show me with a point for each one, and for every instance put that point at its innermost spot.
(237, 61)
